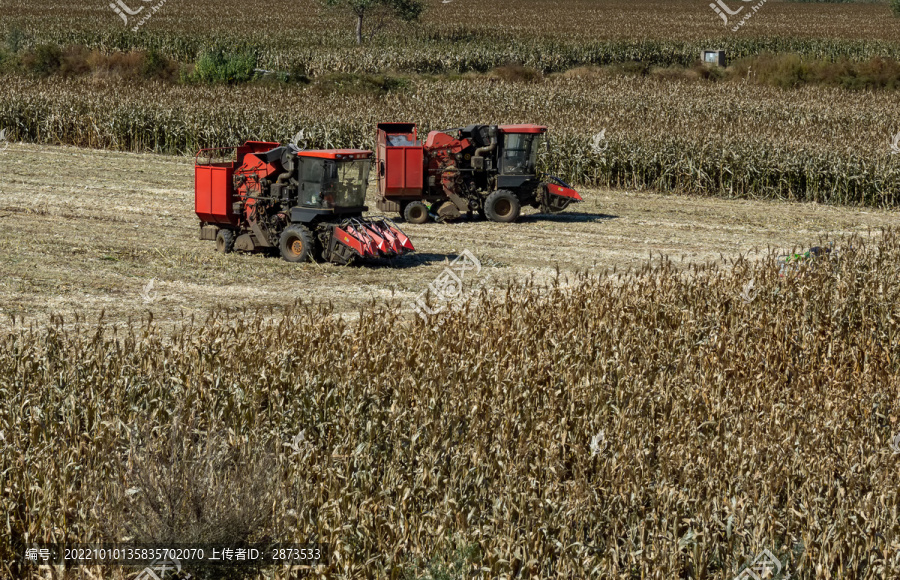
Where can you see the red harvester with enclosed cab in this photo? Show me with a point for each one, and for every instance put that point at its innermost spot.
(489, 169)
(307, 204)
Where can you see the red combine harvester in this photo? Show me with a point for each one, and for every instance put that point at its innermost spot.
(490, 169)
(307, 204)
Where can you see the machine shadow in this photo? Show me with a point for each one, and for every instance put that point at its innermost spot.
(566, 217)
(412, 260)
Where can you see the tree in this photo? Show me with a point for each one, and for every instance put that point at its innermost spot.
(381, 10)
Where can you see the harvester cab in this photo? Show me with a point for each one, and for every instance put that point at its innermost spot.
(491, 169)
(520, 149)
(307, 204)
(332, 181)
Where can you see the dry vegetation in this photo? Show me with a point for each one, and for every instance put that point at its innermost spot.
(725, 139)
(665, 133)
(658, 426)
(589, 412)
(543, 34)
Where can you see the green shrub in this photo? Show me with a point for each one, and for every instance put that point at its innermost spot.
(297, 73)
(9, 62)
(156, 65)
(45, 60)
(217, 66)
(15, 39)
(895, 7)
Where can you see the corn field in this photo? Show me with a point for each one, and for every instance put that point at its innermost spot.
(662, 425)
(719, 139)
(672, 422)
(541, 34)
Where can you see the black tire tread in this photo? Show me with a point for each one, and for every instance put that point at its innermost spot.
(228, 245)
(502, 194)
(304, 234)
(414, 206)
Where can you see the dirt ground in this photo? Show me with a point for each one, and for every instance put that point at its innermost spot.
(88, 231)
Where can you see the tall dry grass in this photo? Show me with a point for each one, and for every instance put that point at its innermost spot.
(655, 426)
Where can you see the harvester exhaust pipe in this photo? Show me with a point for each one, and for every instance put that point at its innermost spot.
(478, 157)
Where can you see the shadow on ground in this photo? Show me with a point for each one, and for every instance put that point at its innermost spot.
(566, 217)
(408, 261)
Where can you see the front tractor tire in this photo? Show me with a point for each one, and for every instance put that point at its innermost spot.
(296, 244)
(225, 241)
(415, 213)
(502, 206)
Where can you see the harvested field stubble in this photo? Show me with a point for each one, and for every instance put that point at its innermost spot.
(810, 144)
(655, 426)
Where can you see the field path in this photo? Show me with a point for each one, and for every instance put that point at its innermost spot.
(88, 230)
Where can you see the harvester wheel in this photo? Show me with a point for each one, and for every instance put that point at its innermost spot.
(502, 206)
(415, 213)
(225, 241)
(296, 244)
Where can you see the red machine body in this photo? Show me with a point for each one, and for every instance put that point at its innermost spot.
(406, 159)
(306, 204)
(213, 191)
(490, 169)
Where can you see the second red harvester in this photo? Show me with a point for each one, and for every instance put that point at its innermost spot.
(489, 169)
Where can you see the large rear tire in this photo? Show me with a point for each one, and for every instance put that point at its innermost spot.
(502, 206)
(225, 241)
(415, 212)
(296, 244)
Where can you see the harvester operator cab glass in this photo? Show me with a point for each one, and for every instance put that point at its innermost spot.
(520, 152)
(346, 182)
(312, 172)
